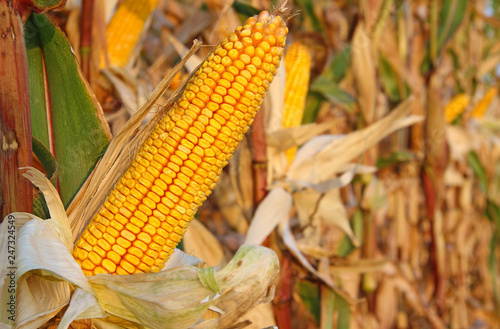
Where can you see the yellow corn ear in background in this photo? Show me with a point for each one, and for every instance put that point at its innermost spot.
(151, 206)
(456, 107)
(297, 67)
(125, 28)
(480, 109)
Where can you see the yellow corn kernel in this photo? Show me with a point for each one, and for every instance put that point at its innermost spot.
(456, 107)
(192, 143)
(481, 107)
(125, 28)
(297, 67)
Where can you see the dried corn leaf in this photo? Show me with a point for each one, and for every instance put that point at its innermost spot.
(296, 136)
(261, 316)
(289, 241)
(200, 242)
(364, 72)
(193, 61)
(322, 163)
(332, 212)
(274, 208)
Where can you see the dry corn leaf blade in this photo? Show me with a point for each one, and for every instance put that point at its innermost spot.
(82, 306)
(261, 316)
(321, 165)
(290, 137)
(291, 244)
(200, 242)
(193, 61)
(363, 68)
(347, 175)
(332, 211)
(274, 208)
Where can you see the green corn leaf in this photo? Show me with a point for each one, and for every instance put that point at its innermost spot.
(64, 113)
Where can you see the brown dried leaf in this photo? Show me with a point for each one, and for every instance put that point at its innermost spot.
(363, 68)
(200, 242)
(326, 161)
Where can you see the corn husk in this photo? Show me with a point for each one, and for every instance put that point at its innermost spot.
(50, 282)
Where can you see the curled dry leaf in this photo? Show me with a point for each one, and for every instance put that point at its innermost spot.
(325, 160)
(200, 242)
(274, 208)
(363, 68)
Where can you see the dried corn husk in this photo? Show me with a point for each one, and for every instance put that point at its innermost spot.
(176, 297)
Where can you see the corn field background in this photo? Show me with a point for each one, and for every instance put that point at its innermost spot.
(405, 232)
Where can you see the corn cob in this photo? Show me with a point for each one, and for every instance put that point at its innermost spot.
(125, 28)
(481, 107)
(297, 66)
(456, 107)
(150, 208)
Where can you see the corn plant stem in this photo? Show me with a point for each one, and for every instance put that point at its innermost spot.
(283, 295)
(16, 191)
(259, 157)
(435, 162)
(86, 20)
(433, 30)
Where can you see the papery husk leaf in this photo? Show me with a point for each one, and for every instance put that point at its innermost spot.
(128, 89)
(82, 306)
(275, 206)
(326, 162)
(179, 258)
(17, 220)
(38, 300)
(312, 147)
(59, 220)
(460, 142)
(246, 281)
(166, 299)
(113, 322)
(45, 270)
(200, 242)
(261, 316)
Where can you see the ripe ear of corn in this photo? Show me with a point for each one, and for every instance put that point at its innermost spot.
(297, 67)
(481, 107)
(149, 209)
(125, 28)
(456, 107)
